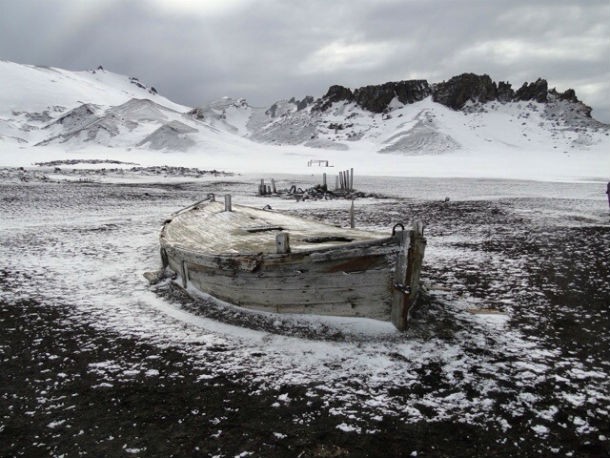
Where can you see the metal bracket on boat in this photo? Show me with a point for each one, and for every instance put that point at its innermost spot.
(395, 226)
(402, 288)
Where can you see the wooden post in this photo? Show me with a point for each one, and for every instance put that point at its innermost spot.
(228, 203)
(273, 186)
(407, 274)
(415, 261)
(261, 188)
(324, 180)
(336, 182)
(282, 243)
(351, 179)
(352, 224)
(399, 301)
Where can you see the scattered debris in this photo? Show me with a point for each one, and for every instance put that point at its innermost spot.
(82, 161)
(57, 174)
(344, 189)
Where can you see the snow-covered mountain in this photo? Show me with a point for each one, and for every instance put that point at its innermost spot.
(42, 106)
(418, 118)
(470, 115)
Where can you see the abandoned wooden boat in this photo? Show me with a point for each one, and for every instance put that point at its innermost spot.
(266, 260)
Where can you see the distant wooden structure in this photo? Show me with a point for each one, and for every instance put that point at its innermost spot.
(344, 184)
(318, 162)
(270, 261)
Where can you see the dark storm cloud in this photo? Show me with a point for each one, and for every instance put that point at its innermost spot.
(266, 50)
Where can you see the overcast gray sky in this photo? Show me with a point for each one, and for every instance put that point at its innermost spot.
(266, 50)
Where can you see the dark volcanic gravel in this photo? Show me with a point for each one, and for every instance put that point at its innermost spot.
(89, 368)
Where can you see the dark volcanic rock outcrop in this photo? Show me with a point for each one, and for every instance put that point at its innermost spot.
(537, 91)
(302, 104)
(335, 93)
(460, 89)
(378, 98)
(454, 93)
(505, 92)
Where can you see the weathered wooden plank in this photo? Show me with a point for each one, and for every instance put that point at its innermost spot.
(298, 280)
(308, 296)
(398, 314)
(336, 309)
(212, 230)
(309, 261)
(375, 304)
(415, 263)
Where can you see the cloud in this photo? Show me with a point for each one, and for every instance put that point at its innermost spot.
(339, 56)
(265, 50)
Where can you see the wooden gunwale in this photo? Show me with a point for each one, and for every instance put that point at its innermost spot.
(349, 249)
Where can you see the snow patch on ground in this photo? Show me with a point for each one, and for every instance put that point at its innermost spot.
(88, 246)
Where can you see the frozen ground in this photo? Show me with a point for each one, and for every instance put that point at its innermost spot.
(95, 361)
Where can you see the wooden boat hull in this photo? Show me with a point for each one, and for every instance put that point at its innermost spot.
(377, 278)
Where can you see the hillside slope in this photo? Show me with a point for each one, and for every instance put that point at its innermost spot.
(467, 126)
(418, 118)
(43, 106)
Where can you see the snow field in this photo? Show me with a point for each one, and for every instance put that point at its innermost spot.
(88, 244)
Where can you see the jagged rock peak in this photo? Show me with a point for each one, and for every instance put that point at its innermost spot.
(537, 91)
(284, 107)
(302, 104)
(454, 93)
(462, 88)
(378, 98)
(336, 93)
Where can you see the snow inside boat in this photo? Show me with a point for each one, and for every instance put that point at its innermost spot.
(266, 260)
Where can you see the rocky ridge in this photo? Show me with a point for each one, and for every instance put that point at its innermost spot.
(454, 93)
(371, 113)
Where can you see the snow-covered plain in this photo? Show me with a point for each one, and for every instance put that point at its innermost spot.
(86, 245)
